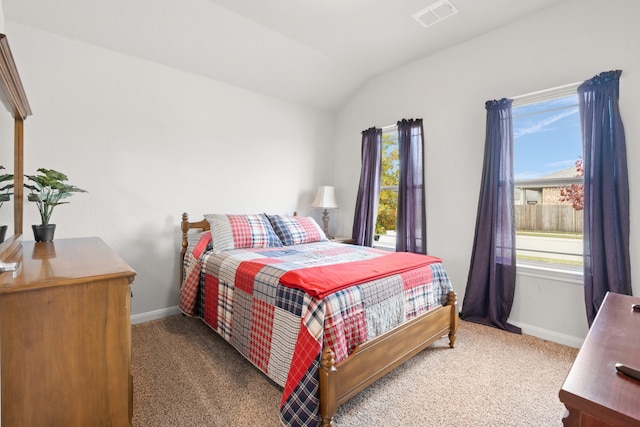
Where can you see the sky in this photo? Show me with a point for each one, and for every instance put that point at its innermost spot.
(547, 137)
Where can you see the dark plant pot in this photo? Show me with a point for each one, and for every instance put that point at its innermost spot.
(43, 232)
(3, 232)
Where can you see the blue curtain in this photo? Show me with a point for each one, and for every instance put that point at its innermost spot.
(369, 188)
(411, 225)
(492, 274)
(606, 191)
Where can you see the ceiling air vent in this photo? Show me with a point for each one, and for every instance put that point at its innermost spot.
(435, 13)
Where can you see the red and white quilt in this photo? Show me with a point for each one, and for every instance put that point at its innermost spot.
(254, 299)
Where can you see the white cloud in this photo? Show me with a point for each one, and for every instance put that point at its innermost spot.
(542, 125)
(523, 176)
(563, 164)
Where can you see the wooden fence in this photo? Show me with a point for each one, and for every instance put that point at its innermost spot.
(548, 218)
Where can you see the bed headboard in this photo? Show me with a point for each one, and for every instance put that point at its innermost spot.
(185, 226)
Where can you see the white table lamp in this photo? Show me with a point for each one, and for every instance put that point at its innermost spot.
(326, 199)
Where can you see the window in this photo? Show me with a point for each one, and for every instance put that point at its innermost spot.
(548, 179)
(385, 234)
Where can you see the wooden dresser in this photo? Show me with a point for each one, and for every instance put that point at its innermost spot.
(65, 336)
(594, 393)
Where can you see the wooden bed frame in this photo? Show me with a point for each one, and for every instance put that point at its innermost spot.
(370, 361)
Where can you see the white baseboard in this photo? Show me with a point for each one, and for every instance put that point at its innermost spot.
(546, 334)
(155, 314)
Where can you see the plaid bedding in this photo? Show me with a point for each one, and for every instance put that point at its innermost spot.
(282, 330)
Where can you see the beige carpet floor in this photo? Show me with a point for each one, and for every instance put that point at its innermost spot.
(185, 375)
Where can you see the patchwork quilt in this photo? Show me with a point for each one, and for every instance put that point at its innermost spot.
(283, 329)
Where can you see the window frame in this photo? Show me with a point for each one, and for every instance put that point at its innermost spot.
(558, 272)
(396, 188)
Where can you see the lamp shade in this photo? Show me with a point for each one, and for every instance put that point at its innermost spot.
(325, 197)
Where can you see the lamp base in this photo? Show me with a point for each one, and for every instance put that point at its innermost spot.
(325, 223)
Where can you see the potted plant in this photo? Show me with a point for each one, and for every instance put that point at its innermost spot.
(47, 191)
(5, 196)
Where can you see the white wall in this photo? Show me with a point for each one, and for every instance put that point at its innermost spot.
(569, 43)
(1, 17)
(6, 160)
(150, 142)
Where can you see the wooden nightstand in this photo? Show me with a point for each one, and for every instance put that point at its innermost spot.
(345, 240)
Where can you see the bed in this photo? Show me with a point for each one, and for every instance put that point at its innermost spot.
(321, 319)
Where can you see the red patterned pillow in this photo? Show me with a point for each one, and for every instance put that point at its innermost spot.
(241, 231)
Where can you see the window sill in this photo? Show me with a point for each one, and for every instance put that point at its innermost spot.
(566, 274)
(386, 241)
(384, 247)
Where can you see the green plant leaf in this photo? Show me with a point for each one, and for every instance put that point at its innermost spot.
(47, 189)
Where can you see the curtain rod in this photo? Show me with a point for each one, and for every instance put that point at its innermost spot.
(541, 93)
(393, 126)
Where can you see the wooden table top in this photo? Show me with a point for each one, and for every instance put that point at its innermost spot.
(63, 262)
(593, 384)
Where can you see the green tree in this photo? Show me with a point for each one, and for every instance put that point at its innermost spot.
(390, 175)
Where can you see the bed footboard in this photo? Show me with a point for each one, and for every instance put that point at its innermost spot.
(375, 358)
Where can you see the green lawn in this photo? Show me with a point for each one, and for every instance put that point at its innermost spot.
(550, 234)
(577, 236)
(549, 260)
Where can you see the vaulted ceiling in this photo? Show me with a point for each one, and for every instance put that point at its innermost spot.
(316, 53)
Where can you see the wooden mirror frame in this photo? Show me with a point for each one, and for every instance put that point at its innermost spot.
(15, 101)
